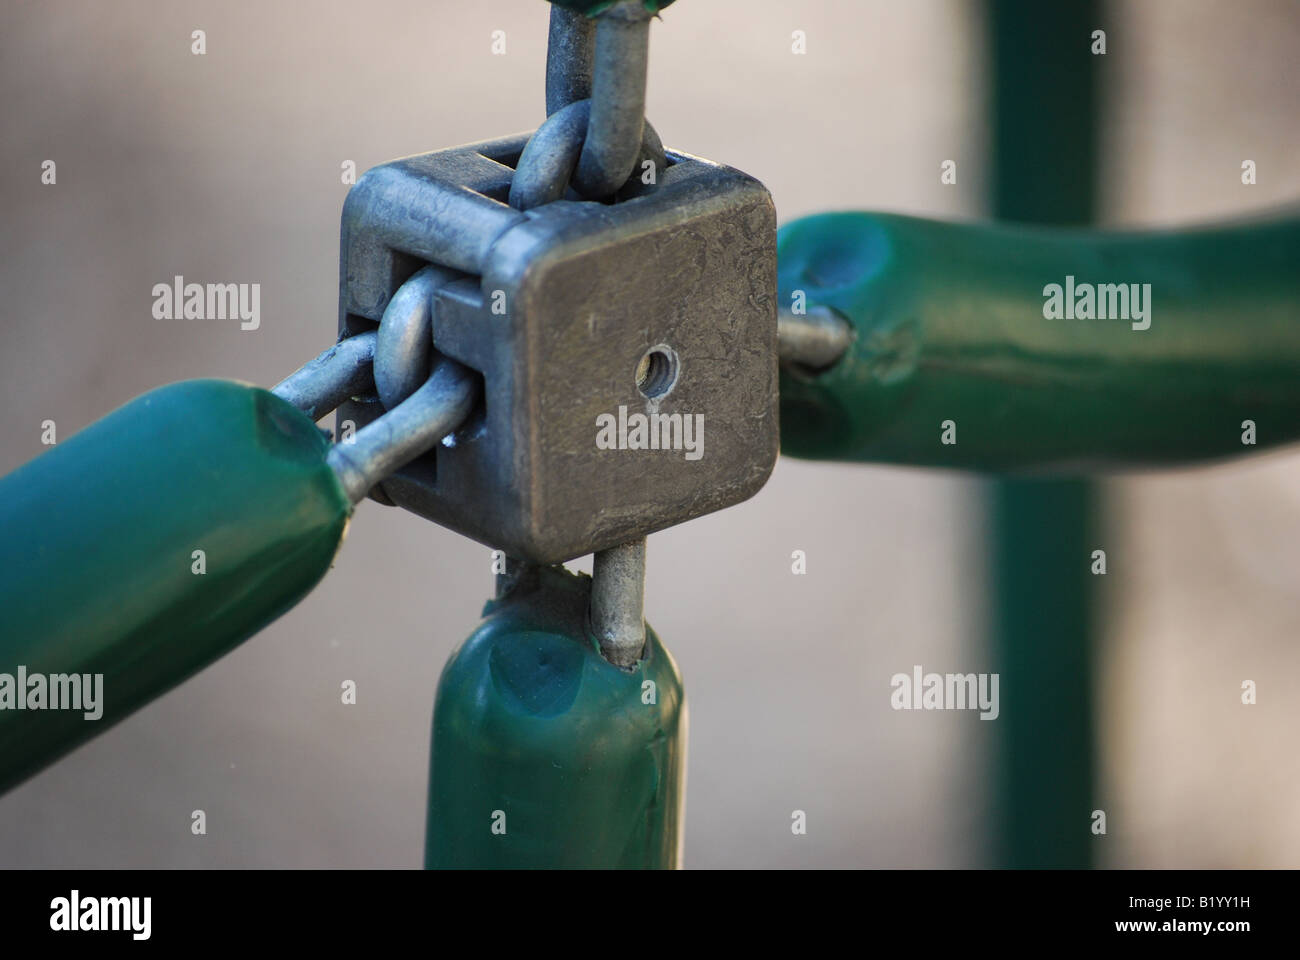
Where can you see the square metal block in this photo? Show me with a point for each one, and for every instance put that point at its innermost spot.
(580, 316)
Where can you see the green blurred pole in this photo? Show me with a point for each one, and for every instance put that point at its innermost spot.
(1043, 121)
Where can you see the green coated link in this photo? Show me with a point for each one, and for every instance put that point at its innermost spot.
(545, 755)
(145, 547)
(951, 328)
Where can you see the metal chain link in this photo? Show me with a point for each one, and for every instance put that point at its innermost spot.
(595, 137)
(404, 353)
(426, 395)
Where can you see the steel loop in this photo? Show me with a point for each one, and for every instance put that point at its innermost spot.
(408, 430)
(426, 395)
(569, 49)
(652, 152)
(404, 351)
(550, 157)
(618, 82)
(595, 135)
(552, 154)
(339, 373)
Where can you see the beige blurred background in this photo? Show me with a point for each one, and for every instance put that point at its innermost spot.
(226, 168)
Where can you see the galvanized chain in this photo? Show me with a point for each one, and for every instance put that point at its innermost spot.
(343, 371)
(593, 142)
(596, 141)
(814, 340)
(569, 50)
(410, 429)
(426, 395)
(595, 138)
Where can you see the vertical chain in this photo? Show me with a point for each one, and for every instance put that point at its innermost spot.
(618, 84)
(595, 136)
(570, 49)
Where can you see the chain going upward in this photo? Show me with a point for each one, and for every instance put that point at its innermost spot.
(595, 140)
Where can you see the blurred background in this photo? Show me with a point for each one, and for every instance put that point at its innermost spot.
(226, 167)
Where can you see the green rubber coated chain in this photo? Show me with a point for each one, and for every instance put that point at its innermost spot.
(546, 755)
(1004, 348)
(148, 545)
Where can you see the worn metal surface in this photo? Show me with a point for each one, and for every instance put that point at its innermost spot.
(393, 224)
(550, 157)
(569, 49)
(652, 152)
(618, 602)
(595, 134)
(404, 351)
(321, 384)
(406, 431)
(618, 84)
(581, 291)
(813, 341)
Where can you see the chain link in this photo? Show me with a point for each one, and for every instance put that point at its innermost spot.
(595, 137)
(426, 396)
(404, 353)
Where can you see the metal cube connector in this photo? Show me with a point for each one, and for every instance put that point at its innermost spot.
(628, 350)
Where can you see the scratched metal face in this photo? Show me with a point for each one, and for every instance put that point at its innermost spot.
(628, 351)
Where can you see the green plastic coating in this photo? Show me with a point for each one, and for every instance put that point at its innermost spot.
(1044, 108)
(545, 755)
(145, 547)
(952, 324)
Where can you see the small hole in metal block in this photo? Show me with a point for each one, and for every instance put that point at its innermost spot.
(656, 374)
